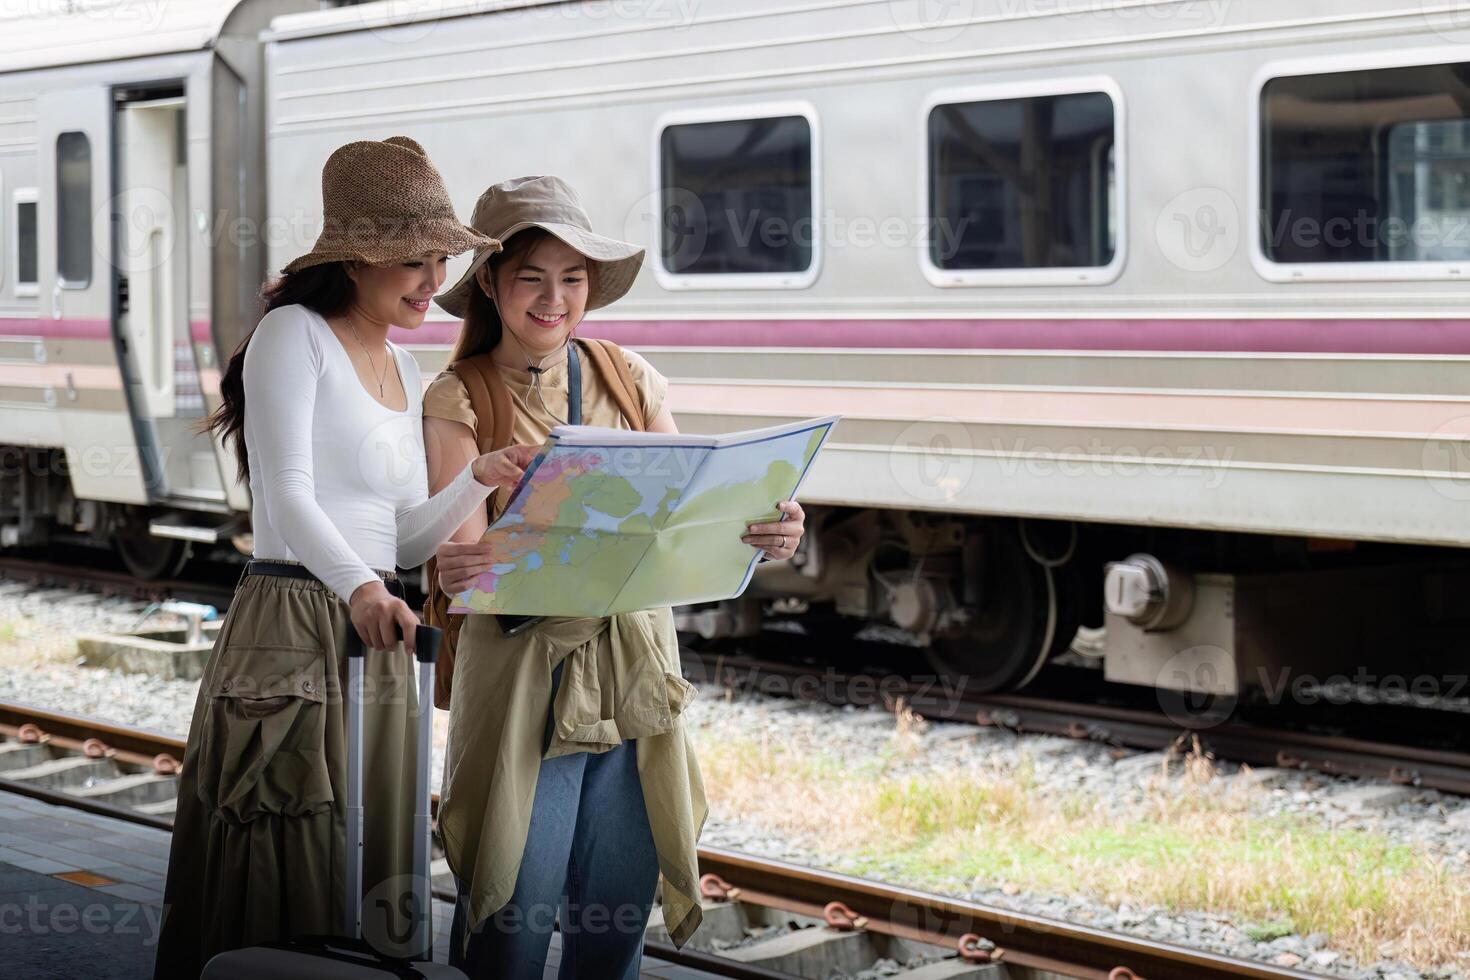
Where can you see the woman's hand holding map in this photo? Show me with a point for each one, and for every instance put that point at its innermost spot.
(779, 540)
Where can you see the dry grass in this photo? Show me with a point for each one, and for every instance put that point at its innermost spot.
(22, 644)
(1188, 843)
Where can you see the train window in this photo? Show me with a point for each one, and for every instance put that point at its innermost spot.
(1367, 166)
(24, 242)
(736, 201)
(74, 209)
(1021, 184)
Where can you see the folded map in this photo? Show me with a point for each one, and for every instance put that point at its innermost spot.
(607, 521)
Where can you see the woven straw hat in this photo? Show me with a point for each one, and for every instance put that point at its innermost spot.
(549, 203)
(383, 202)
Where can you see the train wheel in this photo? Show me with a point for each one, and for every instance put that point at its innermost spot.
(1013, 632)
(148, 557)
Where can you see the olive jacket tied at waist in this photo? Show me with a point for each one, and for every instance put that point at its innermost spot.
(621, 680)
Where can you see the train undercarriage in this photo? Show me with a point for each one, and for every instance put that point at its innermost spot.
(991, 600)
(986, 601)
(38, 510)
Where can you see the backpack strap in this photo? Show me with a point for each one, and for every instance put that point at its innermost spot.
(490, 400)
(608, 359)
(494, 412)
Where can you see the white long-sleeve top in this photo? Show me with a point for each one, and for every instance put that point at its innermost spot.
(338, 481)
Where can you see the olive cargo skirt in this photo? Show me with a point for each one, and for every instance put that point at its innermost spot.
(259, 834)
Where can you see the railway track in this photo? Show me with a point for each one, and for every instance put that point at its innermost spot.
(765, 919)
(113, 582)
(1125, 727)
(1254, 745)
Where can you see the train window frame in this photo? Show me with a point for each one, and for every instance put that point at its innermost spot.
(675, 281)
(1437, 270)
(1097, 275)
(19, 196)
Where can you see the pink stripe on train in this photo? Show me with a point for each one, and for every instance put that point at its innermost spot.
(1377, 336)
(77, 329)
(1402, 336)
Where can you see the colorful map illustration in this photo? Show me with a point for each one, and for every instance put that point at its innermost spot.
(608, 521)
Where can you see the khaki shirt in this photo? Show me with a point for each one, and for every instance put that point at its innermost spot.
(621, 680)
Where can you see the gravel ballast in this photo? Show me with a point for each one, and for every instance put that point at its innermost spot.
(1434, 824)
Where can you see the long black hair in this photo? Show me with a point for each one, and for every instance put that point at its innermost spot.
(325, 288)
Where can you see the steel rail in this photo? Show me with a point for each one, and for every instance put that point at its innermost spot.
(1257, 746)
(1019, 938)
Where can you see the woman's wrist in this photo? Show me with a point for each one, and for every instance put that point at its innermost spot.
(367, 590)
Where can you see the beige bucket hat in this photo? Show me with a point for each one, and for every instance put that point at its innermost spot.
(383, 202)
(550, 203)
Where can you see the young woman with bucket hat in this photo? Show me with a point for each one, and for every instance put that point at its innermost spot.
(325, 417)
(570, 783)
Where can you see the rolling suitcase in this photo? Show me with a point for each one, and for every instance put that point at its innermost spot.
(349, 955)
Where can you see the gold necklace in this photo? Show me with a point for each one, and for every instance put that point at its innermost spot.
(381, 374)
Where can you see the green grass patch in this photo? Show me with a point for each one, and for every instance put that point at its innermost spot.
(1184, 845)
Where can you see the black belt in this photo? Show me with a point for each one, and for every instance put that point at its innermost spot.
(286, 569)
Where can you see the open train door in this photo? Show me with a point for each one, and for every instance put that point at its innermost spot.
(76, 278)
(114, 264)
(150, 213)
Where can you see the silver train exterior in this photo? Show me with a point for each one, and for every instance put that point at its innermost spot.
(1073, 273)
(131, 159)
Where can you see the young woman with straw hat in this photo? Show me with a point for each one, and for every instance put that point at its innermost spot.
(332, 447)
(569, 783)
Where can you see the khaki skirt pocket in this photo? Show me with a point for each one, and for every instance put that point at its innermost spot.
(263, 745)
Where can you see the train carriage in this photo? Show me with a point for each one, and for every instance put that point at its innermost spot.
(1139, 312)
(130, 159)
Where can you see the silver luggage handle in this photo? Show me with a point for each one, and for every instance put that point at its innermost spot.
(427, 640)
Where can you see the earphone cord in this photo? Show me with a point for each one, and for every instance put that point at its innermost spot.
(536, 371)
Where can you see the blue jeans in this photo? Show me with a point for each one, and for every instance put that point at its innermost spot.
(589, 860)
